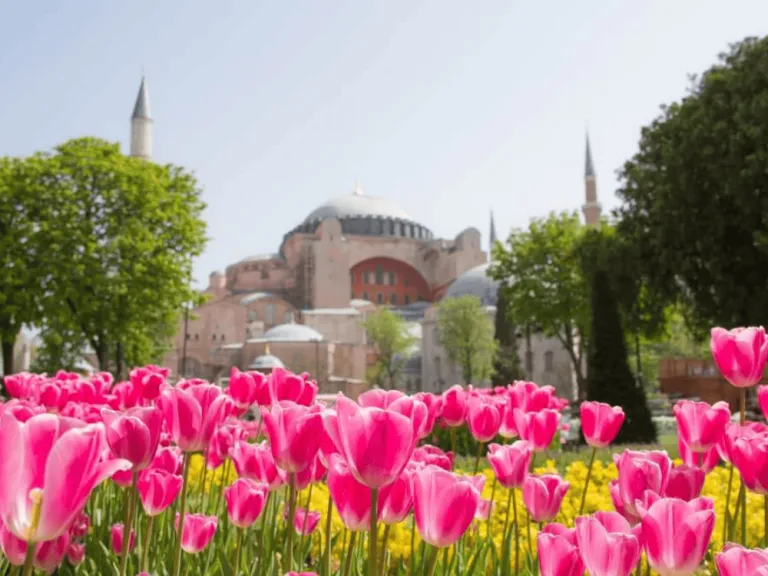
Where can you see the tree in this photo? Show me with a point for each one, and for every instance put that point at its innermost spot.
(466, 334)
(506, 366)
(20, 248)
(610, 380)
(693, 195)
(120, 235)
(544, 285)
(391, 340)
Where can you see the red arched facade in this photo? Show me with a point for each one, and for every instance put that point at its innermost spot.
(388, 281)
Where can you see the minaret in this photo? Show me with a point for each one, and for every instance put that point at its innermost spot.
(491, 237)
(141, 125)
(591, 208)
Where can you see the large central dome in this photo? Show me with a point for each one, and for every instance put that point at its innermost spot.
(357, 206)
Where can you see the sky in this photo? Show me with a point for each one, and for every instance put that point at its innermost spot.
(448, 107)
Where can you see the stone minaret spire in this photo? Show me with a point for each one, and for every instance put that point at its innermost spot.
(141, 124)
(591, 207)
(491, 237)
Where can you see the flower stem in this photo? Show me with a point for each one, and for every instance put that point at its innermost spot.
(145, 546)
(385, 537)
(29, 560)
(586, 483)
(350, 552)
(238, 550)
(432, 563)
(306, 517)
(765, 519)
(453, 441)
(264, 515)
(328, 517)
(289, 524)
(726, 520)
(490, 508)
(128, 526)
(477, 458)
(373, 537)
(517, 532)
(413, 544)
(182, 512)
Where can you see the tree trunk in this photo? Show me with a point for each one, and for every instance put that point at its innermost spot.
(102, 354)
(8, 357)
(119, 357)
(638, 362)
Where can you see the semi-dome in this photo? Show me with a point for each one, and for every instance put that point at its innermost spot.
(475, 282)
(292, 333)
(266, 362)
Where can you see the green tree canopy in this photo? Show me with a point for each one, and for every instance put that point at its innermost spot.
(506, 366)
(120, 234)
(694, 196)
(544, 285)
(389, 335)
(466, 334)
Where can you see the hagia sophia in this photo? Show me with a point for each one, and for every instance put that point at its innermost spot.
(303, 306)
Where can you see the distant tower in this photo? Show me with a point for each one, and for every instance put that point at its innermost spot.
(591, 208)
(491, 237)
(141, 125)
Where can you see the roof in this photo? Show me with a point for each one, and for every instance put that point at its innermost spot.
(266, 362)
(254, 296)
(475, 282)
(357, 205)
(292, 333)
(142, 108)
(261, 257)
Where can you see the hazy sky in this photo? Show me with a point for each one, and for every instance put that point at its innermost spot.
(449, 107)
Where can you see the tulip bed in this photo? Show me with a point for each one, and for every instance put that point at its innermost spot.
(145, 477)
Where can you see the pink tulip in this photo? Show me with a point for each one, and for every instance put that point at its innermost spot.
(22, 410)
(157, 490)
(222, 442)
(510, 463)
(193, 414)
(379, 398)
(607, 550)
(312, 474)
(376, 443)
(740, 354)
(396, 500)
(734, 431)
(543, 496)
(735, 560)
(133, 435)
(244, 387)
(677, 534)
(600, 423)
(49, 466)
(556, 529)
(558, 556)
(454, 406)
(301, 574)
(285, 385)
(124, 396)
(484, 509)
(294, 434)
(148, 380)
(483, 418)
(197, 533)
(537, 428)
(631, 516)
(255, 461)
(700, 425)
(80, 525)
(169, 459)
(429, 454)
(417, 412)
(444, 505)
(14, 548)
(351, 498)
(685, 483)
(76, 554)
(707, 461)
(508, 427)
(245, 501)
(49, 554)
(434, 404)
(640, 472)
(117, 535)
(750, 457)
(305, 521)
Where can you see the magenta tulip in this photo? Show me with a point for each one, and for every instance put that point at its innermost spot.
(700, 425)
(351, 498)
(117, 537)
(245, 501)
(677, 534)
(483, 418)
(640, 472)
(734, 560)
(558, 556)
(750, 457)
(537, 428)
(255, 461)
(600, 423)
(396, 500)
(740, 354)
(197, 533)
(294, 434)
(685, 483)
(157, 490)
(510, 463)
(607, 550)
(454, 406)
(193, 413)
(543, 495)
(134, 434)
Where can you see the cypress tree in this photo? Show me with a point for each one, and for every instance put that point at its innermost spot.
(506, 366)
(609, 378)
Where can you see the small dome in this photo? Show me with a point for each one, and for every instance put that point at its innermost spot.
(357, 205)
(475, 282)
(293, 333)
(266, 362)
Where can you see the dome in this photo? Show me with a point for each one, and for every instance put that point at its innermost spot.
(475, 282)
(357, 206)
(266, 362)
(293, 333)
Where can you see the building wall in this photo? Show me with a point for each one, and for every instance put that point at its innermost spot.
(337, 325)
(388, 281)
